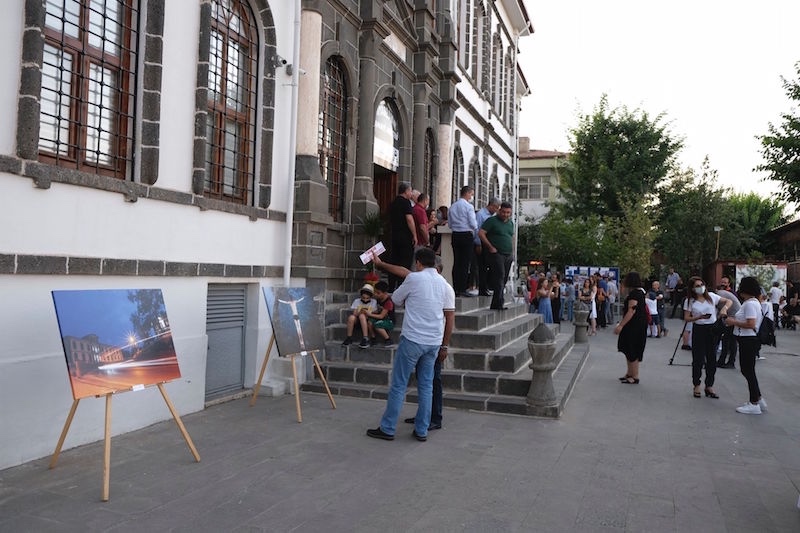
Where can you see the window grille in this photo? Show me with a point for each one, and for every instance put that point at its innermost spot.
(332, 135)
(232, 88)
(86, 118)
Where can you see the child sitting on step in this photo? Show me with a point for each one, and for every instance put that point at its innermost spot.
(362, 305)
(381, 322)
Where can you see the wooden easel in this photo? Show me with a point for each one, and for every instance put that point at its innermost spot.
(312, 353)
(107, 445)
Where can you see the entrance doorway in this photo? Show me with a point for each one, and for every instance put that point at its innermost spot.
(384, 187)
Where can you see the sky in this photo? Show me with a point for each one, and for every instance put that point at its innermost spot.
(713, 68)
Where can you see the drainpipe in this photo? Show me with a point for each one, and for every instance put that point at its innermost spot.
(287, 264)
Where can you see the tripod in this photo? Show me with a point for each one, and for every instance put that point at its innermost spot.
(680, 339)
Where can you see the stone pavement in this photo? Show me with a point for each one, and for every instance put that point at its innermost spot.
(645, 457)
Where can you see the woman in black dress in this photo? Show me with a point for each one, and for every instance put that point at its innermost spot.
(632, 329)
(555, 298)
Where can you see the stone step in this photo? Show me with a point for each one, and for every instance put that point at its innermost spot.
(372, 366)
(507, 359)
(509, 397)
(505, 326)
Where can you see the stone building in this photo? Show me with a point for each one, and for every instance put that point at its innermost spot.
(538, 180)
(211, 148)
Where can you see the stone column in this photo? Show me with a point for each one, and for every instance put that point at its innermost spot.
(542, 399)
(580, 320)
(444, 193)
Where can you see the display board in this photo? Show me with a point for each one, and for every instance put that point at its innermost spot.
(295, 316)
(115, 339)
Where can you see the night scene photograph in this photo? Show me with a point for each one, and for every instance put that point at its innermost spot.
(115, 339)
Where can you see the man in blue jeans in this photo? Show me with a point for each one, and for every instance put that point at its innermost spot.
(427, 325)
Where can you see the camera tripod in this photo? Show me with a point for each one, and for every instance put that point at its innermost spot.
(675, 351)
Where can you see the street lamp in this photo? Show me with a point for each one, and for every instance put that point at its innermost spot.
(717, 229)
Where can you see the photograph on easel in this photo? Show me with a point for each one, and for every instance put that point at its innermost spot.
(115, 339)
(296, 320)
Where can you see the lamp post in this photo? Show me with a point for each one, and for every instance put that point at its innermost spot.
(716, 254)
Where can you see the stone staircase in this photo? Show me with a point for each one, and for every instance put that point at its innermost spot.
(487, 365)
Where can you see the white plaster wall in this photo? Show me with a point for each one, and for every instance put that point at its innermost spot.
(11, 26)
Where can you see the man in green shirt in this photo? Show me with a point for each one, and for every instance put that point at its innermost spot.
(497, 236)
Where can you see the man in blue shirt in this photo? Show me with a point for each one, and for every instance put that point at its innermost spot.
(483, 263)
(462, 221)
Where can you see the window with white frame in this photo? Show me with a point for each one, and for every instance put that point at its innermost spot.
(534, 187)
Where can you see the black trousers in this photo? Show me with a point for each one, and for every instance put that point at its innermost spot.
(463, 250)
(748, 353)
(499, 266)
(403, 255)
(729, 344)
(704, 352)
(483, 270)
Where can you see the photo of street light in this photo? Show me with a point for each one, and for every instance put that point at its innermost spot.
(115, 339)
(295, 316)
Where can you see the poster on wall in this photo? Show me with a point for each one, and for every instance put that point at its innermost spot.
(296, 321)
(115, 339)
(766, 274)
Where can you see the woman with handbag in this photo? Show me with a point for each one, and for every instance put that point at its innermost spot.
(745, 327)
(700, 309)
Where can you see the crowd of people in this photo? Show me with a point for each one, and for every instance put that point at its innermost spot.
(482, 254)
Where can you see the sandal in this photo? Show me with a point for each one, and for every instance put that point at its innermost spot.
(696, 393)
(711, 394)
(630, 381)
(624, 378)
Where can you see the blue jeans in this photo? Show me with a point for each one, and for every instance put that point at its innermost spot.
(570, 305)
(406, 359)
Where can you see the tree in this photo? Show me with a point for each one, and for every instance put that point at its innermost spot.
(780, 148)
(752, 219)
(616, 154)
(689, 207)
(633, 238)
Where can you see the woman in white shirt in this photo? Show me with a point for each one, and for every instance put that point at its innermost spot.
(700, 309)
(745, 325)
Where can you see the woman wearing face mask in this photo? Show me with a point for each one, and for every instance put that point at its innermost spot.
(745, 324)
(700, 309)
(632, 329)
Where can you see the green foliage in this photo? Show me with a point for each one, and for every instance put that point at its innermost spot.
(780, 148)
(616, 154)
(633, 238)
(373, 224)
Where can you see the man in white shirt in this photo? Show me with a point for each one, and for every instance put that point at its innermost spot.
(427, 325)
(775, 294)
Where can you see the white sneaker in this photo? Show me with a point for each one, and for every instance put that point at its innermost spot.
(760, 358)
(762, 404)
(749, 409)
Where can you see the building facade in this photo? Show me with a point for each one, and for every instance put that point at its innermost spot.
(211, 148)
(538, 180)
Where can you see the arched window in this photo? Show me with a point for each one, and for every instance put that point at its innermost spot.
(494, 186)
(332, 136)
(478, 181)
(458, 173)
(497, 70)
(429, 167)
(507, 195)
(465, 26)
(232, 91)
(88, 85)
(509, 87)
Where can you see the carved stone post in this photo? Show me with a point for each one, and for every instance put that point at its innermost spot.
(580, 321)
(542, 399)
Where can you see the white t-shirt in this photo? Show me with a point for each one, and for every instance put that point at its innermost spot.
(698, 308)
(652, 306)
(775, 295)
(358, 304)
(425, 295)
(751, 308)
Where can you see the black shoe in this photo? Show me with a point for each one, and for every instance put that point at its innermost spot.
(364, 343)
(421, 438)
(431, 426)
(728, 365)
(499, 308)
(720, 363)
(686, 347)
(484, 293)
(347, 342)
(388, 342)
(378, 433)
(466, 295)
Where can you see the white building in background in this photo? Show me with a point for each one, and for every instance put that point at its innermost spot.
(538, 180)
